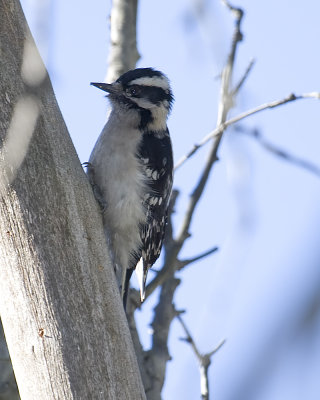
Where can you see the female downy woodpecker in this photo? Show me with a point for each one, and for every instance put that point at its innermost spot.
(131, 171)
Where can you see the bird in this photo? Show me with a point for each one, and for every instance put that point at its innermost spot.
(131, 172)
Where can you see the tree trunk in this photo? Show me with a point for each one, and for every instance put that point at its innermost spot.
(61, 311)
(123, 53)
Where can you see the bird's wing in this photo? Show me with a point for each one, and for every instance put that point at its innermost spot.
(155, 153)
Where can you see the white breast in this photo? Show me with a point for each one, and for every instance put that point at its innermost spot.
(118, 174)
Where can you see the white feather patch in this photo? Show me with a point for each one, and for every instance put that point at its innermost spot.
(158, 81)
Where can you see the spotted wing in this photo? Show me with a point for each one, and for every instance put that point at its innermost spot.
(157, 161)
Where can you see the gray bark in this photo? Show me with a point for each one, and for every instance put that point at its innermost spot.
(61, 311)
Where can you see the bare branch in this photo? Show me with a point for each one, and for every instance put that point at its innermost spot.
(158, 356)
(174, 246)
(221, 128)
(286, 156)
(123, 53)
(232, 8)
(189, 261)
(224, 107)
(203, 359)
(226, 97)
(244, 78)
(217, 348)
(189, 338)
(226, 101)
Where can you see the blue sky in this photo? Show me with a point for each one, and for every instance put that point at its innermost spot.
(260, 291)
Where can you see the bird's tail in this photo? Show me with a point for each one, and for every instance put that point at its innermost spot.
(141, 272)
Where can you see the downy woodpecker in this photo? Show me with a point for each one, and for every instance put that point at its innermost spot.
(131, 171)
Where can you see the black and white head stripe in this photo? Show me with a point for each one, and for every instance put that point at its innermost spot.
(149, 75)
(154, 81)
(149, 84)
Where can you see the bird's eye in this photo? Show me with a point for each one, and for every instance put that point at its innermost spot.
(133, 90)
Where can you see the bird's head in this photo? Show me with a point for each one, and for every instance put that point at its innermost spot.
(145, 90)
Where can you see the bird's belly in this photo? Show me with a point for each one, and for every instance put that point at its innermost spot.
(125, 212)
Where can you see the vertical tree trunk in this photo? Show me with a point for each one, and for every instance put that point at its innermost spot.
(123, 53)
(62, 315)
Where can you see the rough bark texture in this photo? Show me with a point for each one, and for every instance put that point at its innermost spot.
(62, 315)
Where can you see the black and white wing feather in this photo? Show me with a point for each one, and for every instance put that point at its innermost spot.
(155, 153)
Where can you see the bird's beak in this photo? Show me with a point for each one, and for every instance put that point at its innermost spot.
(113, 88)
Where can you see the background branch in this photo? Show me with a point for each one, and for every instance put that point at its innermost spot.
(244, 78)
(225, 104)
(203, 359)
(123, 53)
(278, 152)
(184, 263)
(218, 131)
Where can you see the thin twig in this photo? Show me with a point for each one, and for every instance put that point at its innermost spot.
(203, 359)
(286, 156)
(231, 7)
(189, 338)
(184, 263)
(221, 128)
(235, 91)
(217, 348)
